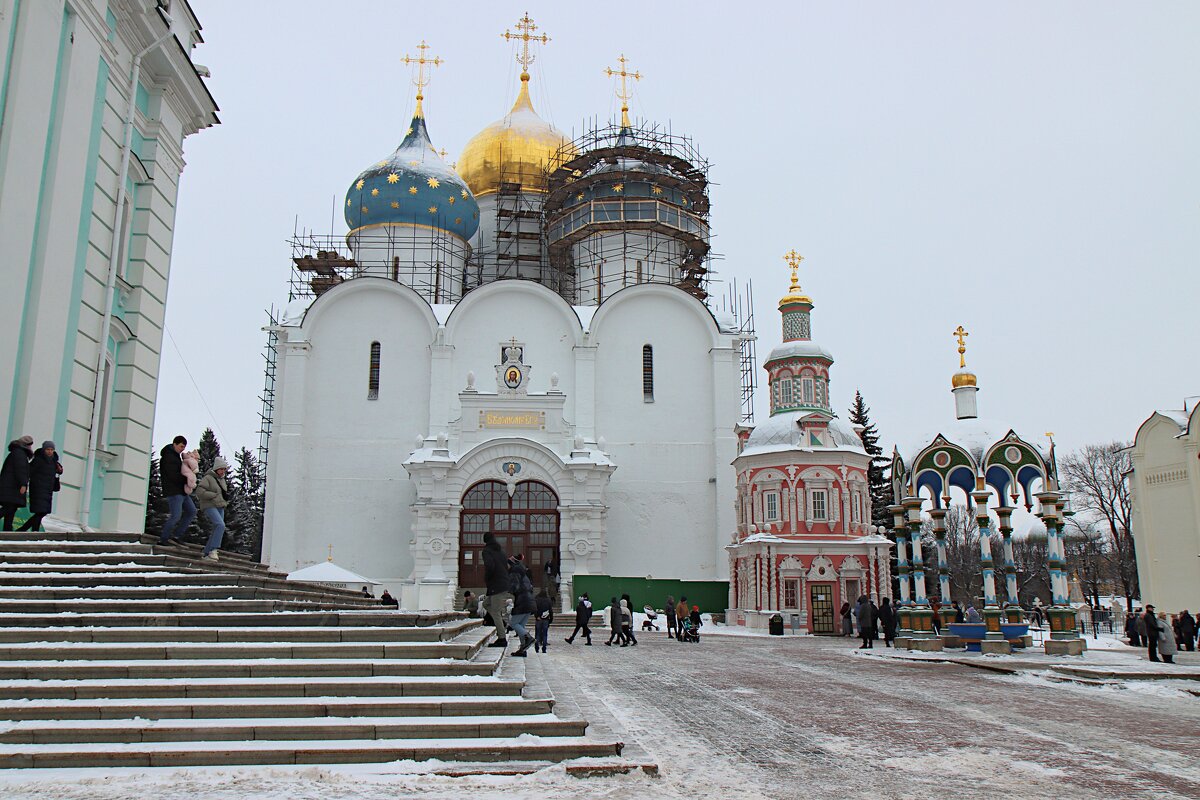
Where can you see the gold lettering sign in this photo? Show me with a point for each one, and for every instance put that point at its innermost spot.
(512, 419)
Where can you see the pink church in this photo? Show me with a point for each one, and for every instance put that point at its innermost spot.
(804, 542)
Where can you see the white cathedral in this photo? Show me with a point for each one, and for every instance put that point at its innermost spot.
(521, 344)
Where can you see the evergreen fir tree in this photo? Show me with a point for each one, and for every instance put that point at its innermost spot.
(876, 476)
(156, 507)
(247, 503)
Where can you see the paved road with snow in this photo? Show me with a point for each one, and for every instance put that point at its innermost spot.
(811, 717)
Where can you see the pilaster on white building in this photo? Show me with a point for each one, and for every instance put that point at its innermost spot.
(95, 101)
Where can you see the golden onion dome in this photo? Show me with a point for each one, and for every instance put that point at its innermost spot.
(517, 148)
(963, 378)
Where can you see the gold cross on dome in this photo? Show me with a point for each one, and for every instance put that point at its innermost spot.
(526, 27)
(961, 333)
(624, 93)
(422, 80)
(793, 260)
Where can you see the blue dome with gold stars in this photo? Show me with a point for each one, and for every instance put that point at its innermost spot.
(412, 186)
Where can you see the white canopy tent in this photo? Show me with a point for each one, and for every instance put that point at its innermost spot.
(330, 574)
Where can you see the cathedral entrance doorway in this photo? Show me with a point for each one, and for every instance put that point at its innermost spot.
(821, 597)
(525, 523)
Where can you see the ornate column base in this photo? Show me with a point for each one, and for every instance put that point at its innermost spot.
(1065, 647)
(1062, 623)
(1013, 615)
(921, 619)
(931, 645)
(992, 617)
(903, 621)
(995, 647)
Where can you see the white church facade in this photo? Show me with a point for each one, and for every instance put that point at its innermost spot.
(520, 345)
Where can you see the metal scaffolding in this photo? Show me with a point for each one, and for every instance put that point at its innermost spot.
(270, 355)
(738, 304)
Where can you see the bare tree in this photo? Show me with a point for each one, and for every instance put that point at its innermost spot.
(1033, 573)
(1088, 558)
(962, 555)
(1099, 477)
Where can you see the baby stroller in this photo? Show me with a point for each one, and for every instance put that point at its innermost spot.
(650, 623)
(689, 632)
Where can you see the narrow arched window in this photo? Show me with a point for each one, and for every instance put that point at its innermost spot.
(373, 374)
(648, 374)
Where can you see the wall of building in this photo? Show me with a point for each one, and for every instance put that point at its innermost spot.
(64, 84)
(1166, 518)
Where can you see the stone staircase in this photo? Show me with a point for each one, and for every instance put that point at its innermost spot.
(117, 653)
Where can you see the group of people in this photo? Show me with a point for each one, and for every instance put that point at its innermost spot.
(510, 601)
(869, 620)
(187, 494)
(29, 477)
(1161, 637)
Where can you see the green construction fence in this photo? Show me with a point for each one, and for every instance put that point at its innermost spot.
(711, 596)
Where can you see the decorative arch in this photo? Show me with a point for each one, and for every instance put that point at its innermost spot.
(822, 570)
(490, 291)
(405, 295)
(672, 293)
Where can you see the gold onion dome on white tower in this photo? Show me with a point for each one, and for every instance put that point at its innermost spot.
(520, 146)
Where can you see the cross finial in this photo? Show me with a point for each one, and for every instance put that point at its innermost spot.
(961, 333)
(422, 80)
(624, 93)
(793, 260)
(525, 28)
(330, 556)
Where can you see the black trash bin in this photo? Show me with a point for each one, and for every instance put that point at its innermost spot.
(776, 625)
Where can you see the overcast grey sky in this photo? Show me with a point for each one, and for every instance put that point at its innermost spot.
(1027, 169)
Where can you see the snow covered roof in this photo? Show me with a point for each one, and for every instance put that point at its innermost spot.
(802, 349)
(975, 436)
(782, 432)
(329, 572)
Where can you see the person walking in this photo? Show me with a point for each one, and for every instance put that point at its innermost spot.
(524, 605)
(44, 469)
(14, 479)
(629, 635)
(866, 623)
(1187, 631)
(212, 496)
(670, 612)
(181, 510)
(935, 621)
(1167, 648)
(583, 615)
(544, 616)
(887, 619)
(1131, 630)
(681, 613)
(626, 623)
(694, 618)
(614, 622)
(847, 622)
(495, 577)
(1152, 633)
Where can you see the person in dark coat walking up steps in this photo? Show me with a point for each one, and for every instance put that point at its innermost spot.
(495, 576)
(544, 615)
(44, 470)
(583, 615)
(180, 508)
(14, 479)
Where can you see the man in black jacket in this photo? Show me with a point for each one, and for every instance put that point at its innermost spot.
(180, 506)
(495, 575)
(583, 615)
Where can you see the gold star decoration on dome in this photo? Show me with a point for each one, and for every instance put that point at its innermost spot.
(412, 190)
(375, 193)
(579, 196)
(624, 93)
(433, 183)
(413, 163)
(433, 209)
(451, 199)
(525, 28)
(657, 190)
(618, 188)
(422, 80)
(409, 131)
(393, 178)
(395, 204)
(381, 164)
(359, 185)
(364, 210)
(349, 202)
(458, 220)
(464, 194)
(442, 153)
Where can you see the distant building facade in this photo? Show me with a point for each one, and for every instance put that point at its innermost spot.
(1165, 484)
(86, 225)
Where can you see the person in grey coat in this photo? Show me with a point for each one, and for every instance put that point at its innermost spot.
(1167, 647)
(212, 496)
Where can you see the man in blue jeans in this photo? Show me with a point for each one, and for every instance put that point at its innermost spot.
(181, 508)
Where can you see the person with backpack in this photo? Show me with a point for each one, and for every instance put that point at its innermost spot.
(544, 615)
(583, 615)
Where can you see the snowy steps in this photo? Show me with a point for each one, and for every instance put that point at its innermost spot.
(116, 652)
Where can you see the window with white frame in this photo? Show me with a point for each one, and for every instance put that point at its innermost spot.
(771, 506)
(819, 509)
(785, 391)
(855, 508)
(791, 592)
(806, 389)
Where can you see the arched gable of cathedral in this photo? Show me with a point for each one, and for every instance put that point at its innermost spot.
(328, 303)
(500, 293)
(672, 294)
